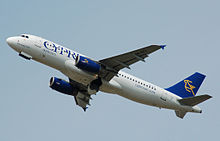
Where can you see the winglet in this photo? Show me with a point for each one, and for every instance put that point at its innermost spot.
(163, 46)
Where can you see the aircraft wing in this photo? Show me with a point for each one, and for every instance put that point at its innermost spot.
(113, 64)
(82, 98)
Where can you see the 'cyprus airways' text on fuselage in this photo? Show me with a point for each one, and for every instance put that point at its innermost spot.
(88, 76)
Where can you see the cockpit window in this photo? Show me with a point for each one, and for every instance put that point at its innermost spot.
(24, 36)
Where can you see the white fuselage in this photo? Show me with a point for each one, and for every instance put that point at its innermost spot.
(125, 85)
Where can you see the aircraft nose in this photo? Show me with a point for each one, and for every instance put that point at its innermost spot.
(10, 41)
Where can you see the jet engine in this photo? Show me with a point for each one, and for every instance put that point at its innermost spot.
(62, 86)
(87, 64)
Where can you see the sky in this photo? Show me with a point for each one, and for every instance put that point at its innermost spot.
(30, 110)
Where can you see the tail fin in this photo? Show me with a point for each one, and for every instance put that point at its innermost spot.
(188, 87)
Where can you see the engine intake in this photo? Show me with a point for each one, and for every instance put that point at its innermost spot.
(62, 86)
(87, 64)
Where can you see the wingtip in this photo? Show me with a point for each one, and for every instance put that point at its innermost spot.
(210, 96)
(163, 46)
(84, 109)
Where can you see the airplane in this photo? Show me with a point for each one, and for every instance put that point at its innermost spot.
(88, 76)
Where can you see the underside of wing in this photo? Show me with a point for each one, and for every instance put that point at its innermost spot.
(113, 64)
(82, 98)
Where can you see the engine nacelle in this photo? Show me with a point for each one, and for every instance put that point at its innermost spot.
(62, 86)
(87, 64)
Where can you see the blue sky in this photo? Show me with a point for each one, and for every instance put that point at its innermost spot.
(30, 110)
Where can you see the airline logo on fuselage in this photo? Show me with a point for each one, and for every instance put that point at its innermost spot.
(60, 50)
(189, 87)
(86, 61)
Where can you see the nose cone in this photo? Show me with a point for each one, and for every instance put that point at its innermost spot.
(12, 42)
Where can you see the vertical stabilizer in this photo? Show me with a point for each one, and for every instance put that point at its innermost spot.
(188, 87)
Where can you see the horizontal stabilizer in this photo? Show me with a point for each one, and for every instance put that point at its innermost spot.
(180, 114)
(192, 101)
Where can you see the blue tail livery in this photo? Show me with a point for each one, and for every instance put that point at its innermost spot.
(188, 87)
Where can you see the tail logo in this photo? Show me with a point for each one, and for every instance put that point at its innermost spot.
(189, 87)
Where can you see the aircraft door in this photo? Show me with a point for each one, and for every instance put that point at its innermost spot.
(163, 97)
(37, 48)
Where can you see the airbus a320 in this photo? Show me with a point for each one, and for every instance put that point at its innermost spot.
(88, 76)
